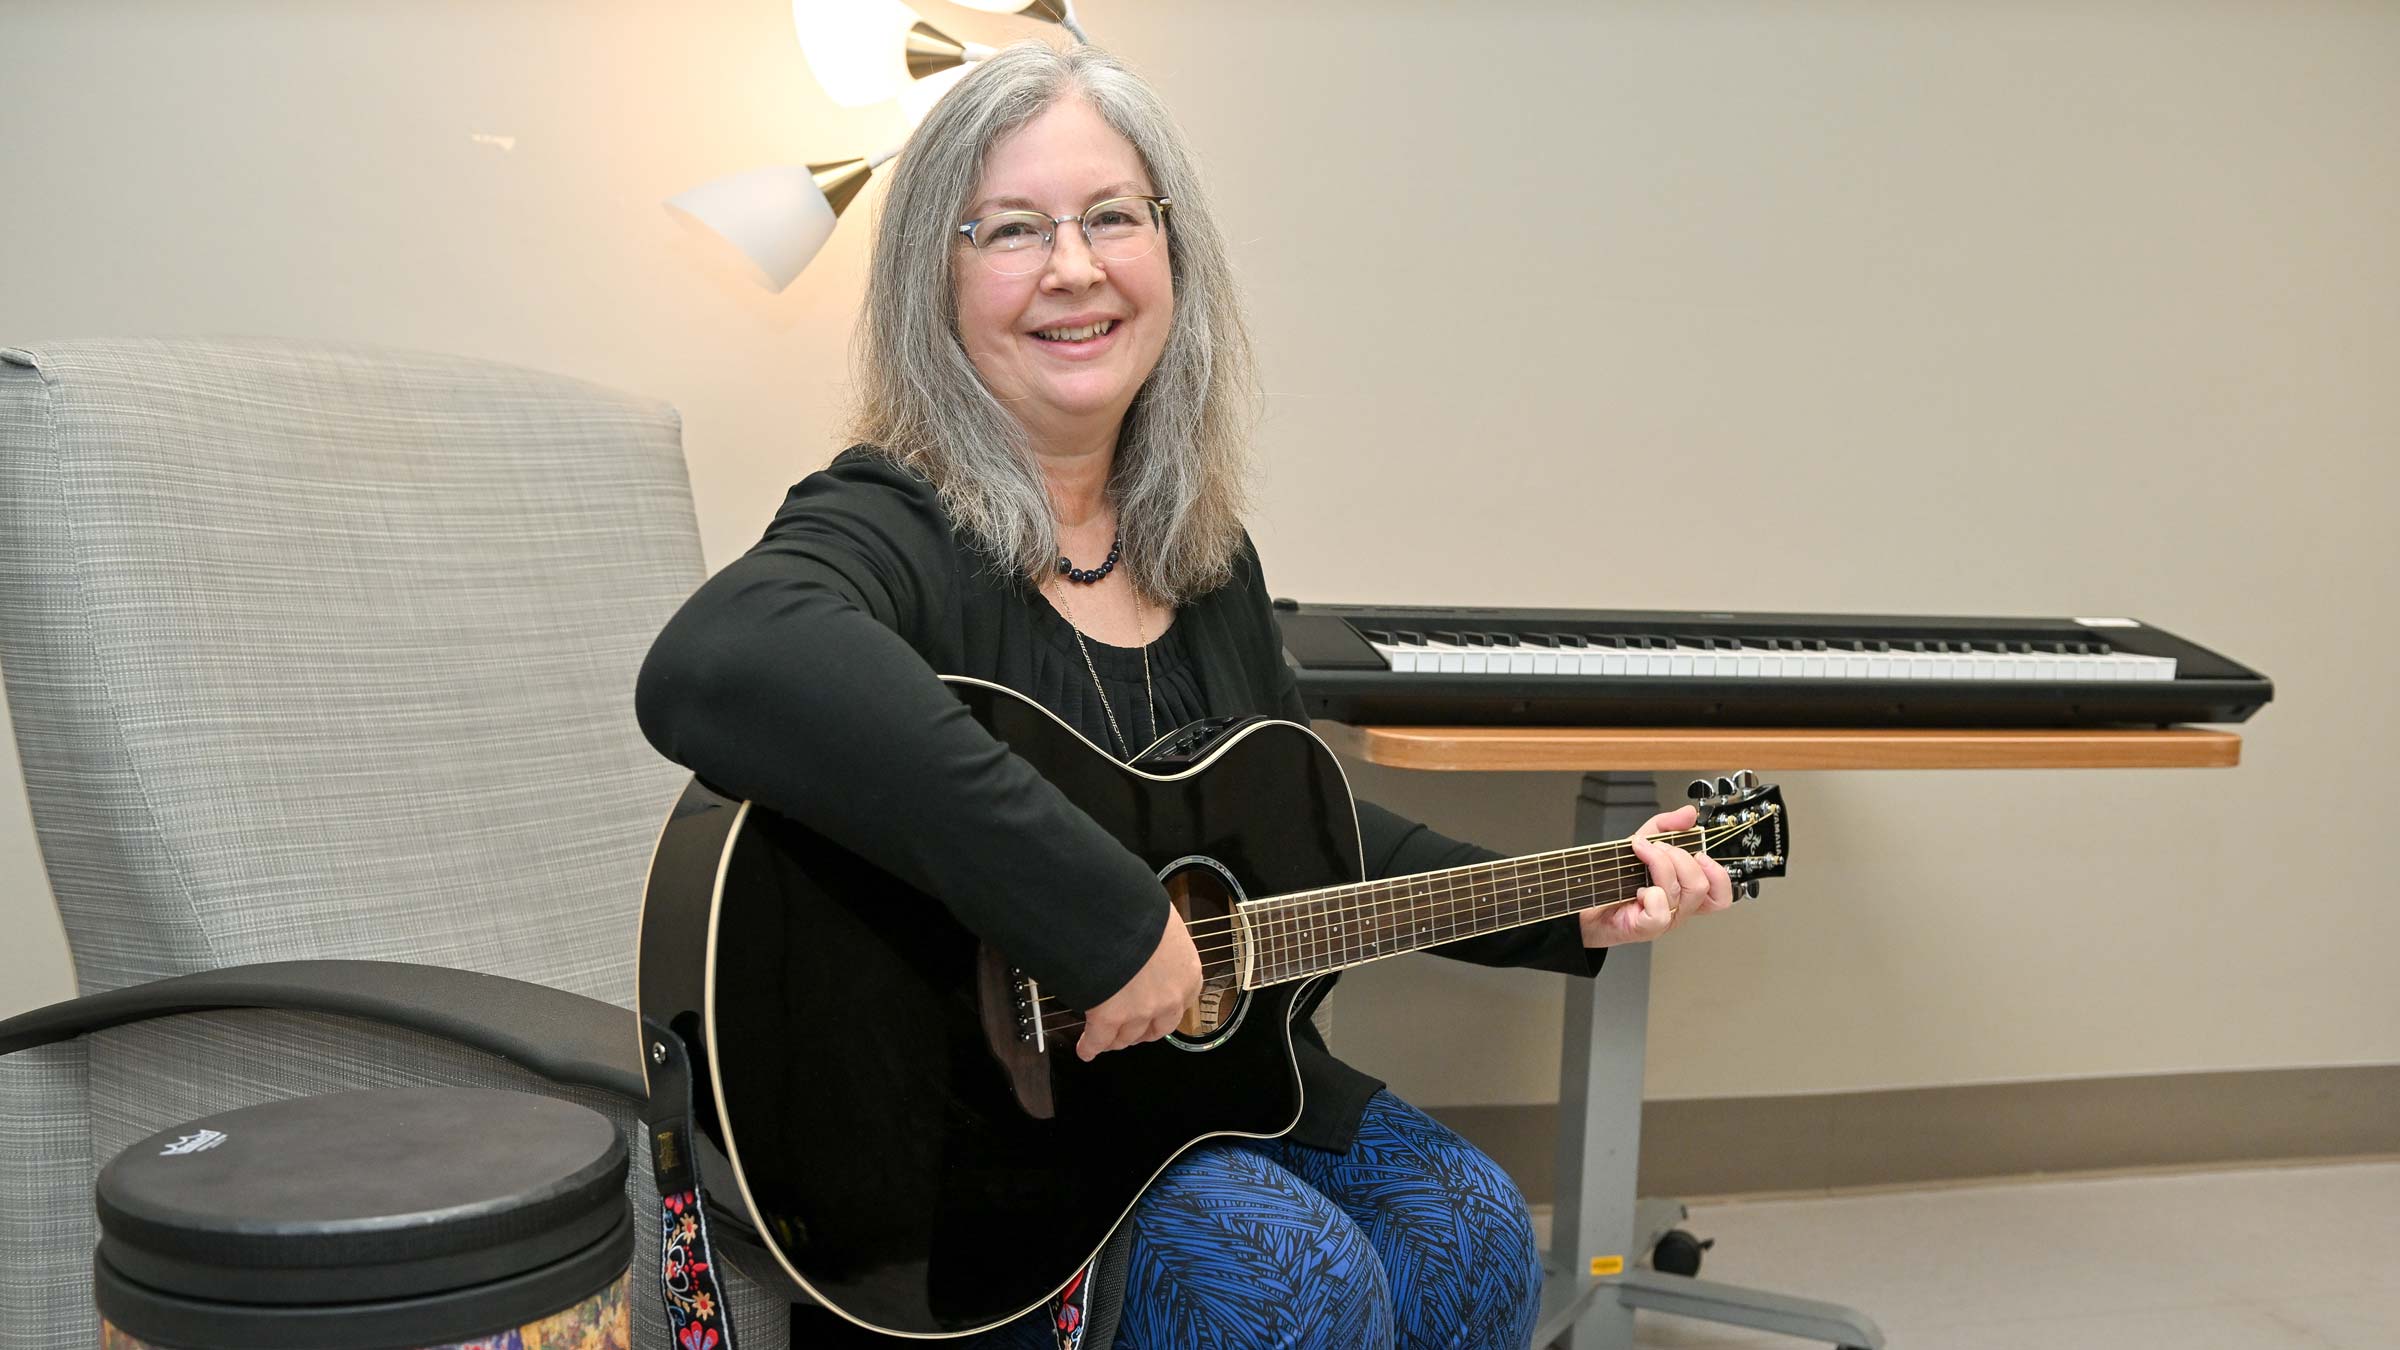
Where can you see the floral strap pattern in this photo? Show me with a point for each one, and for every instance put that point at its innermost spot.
(697, 1315)
(1071, 1310)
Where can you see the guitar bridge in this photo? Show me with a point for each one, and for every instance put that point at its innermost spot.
(1029, 1012)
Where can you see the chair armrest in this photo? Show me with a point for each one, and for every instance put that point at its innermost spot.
(566, 1038)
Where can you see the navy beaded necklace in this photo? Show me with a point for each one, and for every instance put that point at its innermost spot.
(1085, 576)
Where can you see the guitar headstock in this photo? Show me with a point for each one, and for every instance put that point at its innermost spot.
(1744, 827)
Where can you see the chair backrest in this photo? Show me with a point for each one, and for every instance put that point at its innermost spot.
(318, 650)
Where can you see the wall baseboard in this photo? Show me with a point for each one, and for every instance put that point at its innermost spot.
(1749, 1145)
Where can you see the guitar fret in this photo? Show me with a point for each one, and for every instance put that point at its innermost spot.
(1324, 931)
(1318, 932)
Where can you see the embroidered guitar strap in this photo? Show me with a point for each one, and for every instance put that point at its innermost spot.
(698, 1317)
(1071, 1309)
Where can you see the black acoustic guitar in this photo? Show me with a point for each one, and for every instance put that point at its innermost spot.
(896, 1115)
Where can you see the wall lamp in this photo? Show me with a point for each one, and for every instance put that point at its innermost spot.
(861, 52)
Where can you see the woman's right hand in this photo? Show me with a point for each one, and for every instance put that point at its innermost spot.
(1152, 1003)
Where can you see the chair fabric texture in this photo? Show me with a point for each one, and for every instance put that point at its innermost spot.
(316, 651)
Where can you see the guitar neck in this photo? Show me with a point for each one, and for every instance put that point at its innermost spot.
(1294, 937)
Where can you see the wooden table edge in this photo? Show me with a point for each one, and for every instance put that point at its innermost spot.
(1589, 749)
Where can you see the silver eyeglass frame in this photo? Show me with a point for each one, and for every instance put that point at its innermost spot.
(1050, 236)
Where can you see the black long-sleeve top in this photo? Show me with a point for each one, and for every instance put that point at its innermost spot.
(803, 677)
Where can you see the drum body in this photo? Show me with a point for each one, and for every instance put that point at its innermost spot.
(404, 1219)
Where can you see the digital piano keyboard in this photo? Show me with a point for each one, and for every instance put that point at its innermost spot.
(1404, 665)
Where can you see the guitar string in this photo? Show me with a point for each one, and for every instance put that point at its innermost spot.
(1474, 913)
(1059, 1021)
(1412, 896)
(1471, 914)
(1580, 854)
(1594, 865)
(1411, 890)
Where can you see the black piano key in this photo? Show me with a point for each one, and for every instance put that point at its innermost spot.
(1376, 635)
(1408, 638)
(1443, 635)
(1541, 640)
(1608, 640)
(1475, 639)
(1502, 639)
(1572, 640)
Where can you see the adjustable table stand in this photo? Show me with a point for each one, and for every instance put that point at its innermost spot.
(1600, 1232)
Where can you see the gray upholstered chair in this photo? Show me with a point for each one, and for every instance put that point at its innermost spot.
(325, 652)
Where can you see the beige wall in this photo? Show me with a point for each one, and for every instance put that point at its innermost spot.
(1950, 308)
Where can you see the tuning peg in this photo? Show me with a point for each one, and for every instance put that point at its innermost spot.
(1700, 790)
(1745, 781)
(1747, 890)
(1724, 787)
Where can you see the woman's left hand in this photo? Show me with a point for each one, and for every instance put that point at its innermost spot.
(1682, 885)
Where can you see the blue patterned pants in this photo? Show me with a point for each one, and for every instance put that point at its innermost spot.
(1411, 1238)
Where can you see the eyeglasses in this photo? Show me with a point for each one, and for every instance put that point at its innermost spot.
(1121, 229)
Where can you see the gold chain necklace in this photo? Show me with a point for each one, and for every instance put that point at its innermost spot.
(1149, 697)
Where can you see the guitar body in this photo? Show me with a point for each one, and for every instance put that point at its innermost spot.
(908, 1154)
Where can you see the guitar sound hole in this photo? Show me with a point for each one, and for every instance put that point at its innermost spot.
(1205, 897)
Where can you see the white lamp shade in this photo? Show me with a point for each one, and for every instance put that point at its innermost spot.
(777, 217)
(917, 97)
(857, 49)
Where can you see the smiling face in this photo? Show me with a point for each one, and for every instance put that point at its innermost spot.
(1066, 346)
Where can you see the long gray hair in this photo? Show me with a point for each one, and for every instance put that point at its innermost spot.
(1181, 478)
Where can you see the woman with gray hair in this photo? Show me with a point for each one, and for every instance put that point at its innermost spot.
(1057, 403)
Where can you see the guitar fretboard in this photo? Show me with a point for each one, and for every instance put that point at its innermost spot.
(1316, 932)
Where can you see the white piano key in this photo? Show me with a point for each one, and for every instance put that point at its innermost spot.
(1684, 661)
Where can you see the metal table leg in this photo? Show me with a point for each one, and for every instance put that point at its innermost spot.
(1599, 1231)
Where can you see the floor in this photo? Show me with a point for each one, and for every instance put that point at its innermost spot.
(2305, 1256)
